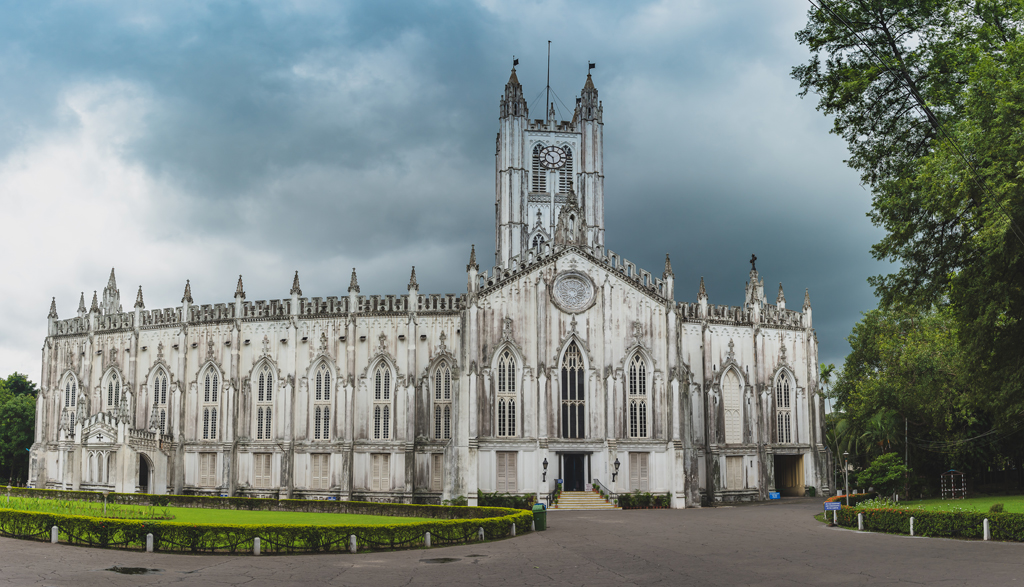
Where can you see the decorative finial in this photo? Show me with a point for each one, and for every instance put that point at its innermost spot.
(323, 343)
(296, 290)
(188, 293)
(506, 328)
(382, 341)
(781, 299)
(353, 284)
(753, 259)
(443, 337)
(112, 283)
(472, 259)
(81, 304)
(807, 299)
(95, 307)
(668, 266)
(239, 290)
(53, 309)
(702, 294)
(732, 353)
(209, 348)
(138, 299)
(412, 280)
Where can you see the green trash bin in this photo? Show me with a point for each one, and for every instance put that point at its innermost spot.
(540, 516)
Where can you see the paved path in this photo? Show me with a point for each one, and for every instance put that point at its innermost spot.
(763, 544)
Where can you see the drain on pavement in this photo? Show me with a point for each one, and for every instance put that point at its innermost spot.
(131, 570)
(438, 560)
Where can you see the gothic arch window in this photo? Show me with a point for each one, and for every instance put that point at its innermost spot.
(112, 390)
(638, 406)
(506, 394)
(565, 176)
(264, 403)
(71, 399)
(538, 239)
(783, 407)
(211, 400)
(442, 401)
(160, 397)
(322, 403)
(573, 393)
(382, 391)
(732, 401)
(538, 172)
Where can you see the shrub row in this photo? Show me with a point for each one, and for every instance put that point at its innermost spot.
(1003, 526)
(238, 538)
(643, 500)
(855, 498)
(506, 500)
(261, 504)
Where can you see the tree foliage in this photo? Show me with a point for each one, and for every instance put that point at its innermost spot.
(17, 424)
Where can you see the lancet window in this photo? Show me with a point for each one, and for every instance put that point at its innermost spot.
(573, 393)
(443, 401)
(638, 397)
(506, 394)
(538, 172)
(211, 396)
(783, 408)
(113, 389)
(264, 403)
(322, 404)
(732, 402)
(565, 175)
(382, 402)
(160, 398)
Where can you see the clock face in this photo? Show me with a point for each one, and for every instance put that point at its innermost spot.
(552, 157)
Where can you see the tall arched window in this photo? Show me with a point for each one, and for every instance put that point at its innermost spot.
(443, 402)
(573, 393)
(538, 172)
(638, 402)
(160, 398)
(264, 404)
(322, 404)
(538, 239)
(382, 402)
(506, 394)
(565, 174)
(113, 390)
(783, 408)
(70, 400)
(732, 401)
(211, 395)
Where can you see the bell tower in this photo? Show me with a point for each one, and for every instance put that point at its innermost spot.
(510, 170)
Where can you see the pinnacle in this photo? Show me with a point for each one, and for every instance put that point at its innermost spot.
(668, 266)
(807, 298)
(296, 290)
(112, 283)
(513, 80)
(188, 293)
(138, 299)
(53, 309)
(702, 294)
(472, 259)
(239, 291)
(781, 297)
(81, 303)
(590, 84)
(412, 279)
(95, 303)
(353, 285)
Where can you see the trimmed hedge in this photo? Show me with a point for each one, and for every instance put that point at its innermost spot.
(855, 498)
(453, 525)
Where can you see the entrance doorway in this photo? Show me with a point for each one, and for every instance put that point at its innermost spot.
(144, 471)
(789, 475)
(574, 473)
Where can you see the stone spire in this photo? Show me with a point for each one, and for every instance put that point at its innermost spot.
(138, 299)
(239, 290)
(702, 294)
(807, 299)
(111, 296)
(53, 309)
(81, 306)
(353, 285)
(780, 301)
(412, 280)
(513, 103)
(188, 293)
(668, 267)
(590, 106)
(551, 113)
(296, 290)
(95, 307)
(807, 309)
(472, 259)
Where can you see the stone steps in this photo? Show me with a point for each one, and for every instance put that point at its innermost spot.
(582, 500)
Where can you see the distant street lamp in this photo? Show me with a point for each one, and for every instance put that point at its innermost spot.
(616, 472)
(544, 477)
(846, 475)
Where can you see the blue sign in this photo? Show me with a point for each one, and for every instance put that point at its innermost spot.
(831, 506)
(774, 495)
(558, 480)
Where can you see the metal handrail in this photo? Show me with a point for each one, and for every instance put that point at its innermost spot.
(608, 492)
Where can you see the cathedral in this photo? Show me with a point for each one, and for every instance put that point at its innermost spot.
(564, 362)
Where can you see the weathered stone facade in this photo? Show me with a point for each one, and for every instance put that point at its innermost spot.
(564, 361)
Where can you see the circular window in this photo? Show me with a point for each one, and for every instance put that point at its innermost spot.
(573, 292)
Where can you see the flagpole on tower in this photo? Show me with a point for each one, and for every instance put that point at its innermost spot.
(547, 91)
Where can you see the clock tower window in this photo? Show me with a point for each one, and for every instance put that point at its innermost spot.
(539, 173)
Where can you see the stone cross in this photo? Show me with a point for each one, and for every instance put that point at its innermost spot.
(753, 259)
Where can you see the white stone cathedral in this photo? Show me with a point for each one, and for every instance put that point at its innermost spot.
(564, 362)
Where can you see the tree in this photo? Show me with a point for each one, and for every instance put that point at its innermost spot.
(886, 474)
(17, 423)
(19, 384)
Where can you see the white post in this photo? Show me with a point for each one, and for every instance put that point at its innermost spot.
(426, 539)
(352, 543)
(911, 525)
(256, 546)
(53, 535)
(860, 521)
(988, 533)
(480, 533)
(149, 543)
(835, 518)
(513, 528)
(533, 526)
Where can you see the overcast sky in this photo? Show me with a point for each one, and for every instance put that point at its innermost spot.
(195, 140)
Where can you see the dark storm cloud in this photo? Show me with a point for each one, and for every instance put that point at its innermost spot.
(339, 134)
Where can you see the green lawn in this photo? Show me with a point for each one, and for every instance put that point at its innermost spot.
(1011, 503)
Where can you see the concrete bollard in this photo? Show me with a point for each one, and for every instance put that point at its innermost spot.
(988, 533)
(426, 539)
(149, 543)
(256, 546)
(352, 543)
(533, 526)
(513, 528)
(480, 534)
(911, 525)
(835, 518)
(53, 535)
(860, 521)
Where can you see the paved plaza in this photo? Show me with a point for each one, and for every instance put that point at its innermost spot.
(763, 544)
